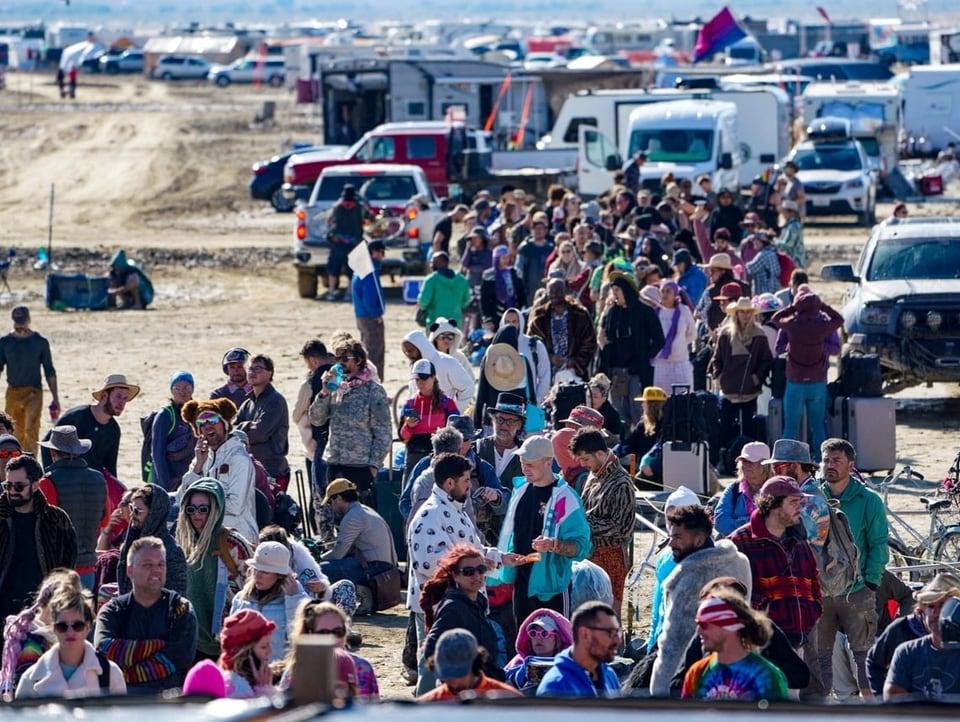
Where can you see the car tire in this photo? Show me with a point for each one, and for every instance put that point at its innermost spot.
(280, 203)
(166, 77)
(223, 81)
(307, 282)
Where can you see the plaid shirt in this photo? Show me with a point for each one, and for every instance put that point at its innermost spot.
(764, 270)
(786, 582)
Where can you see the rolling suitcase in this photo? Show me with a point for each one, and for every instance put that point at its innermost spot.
(860, 376)
(775, 423)
(686, 465)
(870, 425)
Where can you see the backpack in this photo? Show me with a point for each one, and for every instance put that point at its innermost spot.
(840, 556)
(146, 450)
(787, 264)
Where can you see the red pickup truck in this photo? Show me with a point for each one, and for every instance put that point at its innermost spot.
(447, 152)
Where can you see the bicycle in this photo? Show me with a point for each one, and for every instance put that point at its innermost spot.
(911, 552)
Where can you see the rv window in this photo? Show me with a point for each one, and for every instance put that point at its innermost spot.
(572, 133)
(421, 147)
(673, 145)
(416, 108)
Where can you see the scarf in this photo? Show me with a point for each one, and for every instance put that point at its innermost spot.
(672, 333)
(354, 381)
(747, 496)
(503, 278)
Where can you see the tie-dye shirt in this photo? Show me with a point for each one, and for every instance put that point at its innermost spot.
(752, 678)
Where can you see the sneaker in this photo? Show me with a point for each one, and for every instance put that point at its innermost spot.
(354, 639)
(409, 675)
(331, 296)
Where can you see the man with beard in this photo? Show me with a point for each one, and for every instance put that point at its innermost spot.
(500, 448)
(151, 631)
(699, 560)
(220, 455)
(582, 670)
(532, 256)
(237, 387)
(35, 537)
(265, 420)
(566, 329)
(97, 422)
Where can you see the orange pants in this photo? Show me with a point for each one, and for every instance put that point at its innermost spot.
(611, 560)
(25, 405)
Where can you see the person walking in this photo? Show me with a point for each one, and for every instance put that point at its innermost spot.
(345, 221)
(368, 307)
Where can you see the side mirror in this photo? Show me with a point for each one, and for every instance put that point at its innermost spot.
(614, 163)
(842, 272)
(726, 161)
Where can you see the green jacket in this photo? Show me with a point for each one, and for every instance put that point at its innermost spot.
(868, 522)
(444, 295)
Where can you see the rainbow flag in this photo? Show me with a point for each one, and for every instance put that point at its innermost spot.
(721, 31)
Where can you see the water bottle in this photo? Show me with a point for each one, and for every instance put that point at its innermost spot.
(334, 383)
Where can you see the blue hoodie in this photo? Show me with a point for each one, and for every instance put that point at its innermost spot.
(568, 679)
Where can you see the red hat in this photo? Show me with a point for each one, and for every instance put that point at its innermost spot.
(730, 292)
(584, 416)
(239, 629)
(751, 219)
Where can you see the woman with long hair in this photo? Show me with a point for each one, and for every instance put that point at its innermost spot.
(452, 599)
(215, 560)
(315, 617)
(273, 591)
(71, 667)
(27, 635)
(566, 265)
(423, 414)
(672, 364)
(247, 654)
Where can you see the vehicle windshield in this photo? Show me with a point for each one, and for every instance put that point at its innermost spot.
(377, 190)
(673, 145)
(743, 52)
(915, 259)
(827, 157)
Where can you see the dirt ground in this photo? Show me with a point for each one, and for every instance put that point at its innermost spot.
(161, 171)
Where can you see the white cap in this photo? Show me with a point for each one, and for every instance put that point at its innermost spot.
(681, 497)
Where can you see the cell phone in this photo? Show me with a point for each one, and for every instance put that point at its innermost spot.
(410, 413)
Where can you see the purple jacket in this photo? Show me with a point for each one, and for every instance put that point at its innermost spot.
(807, 325)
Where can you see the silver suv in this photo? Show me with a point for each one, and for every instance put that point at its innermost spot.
(905, 304)
(180, 67)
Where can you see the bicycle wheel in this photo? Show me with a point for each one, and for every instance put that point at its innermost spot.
(899, 557)
(948, 550)
(399, 399)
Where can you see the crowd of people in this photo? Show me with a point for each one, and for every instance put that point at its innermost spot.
(518, 476)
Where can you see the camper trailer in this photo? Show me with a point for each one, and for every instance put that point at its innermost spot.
(873, 110)
(931, 100)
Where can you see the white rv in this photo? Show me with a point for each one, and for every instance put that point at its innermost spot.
(873, 110)
(931, 100)
(687, 138)
(763, 119)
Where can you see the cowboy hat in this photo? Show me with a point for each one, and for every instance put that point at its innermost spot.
(65, 440)
(720, 260)
(651, 296)
(503, 367)
(742, 304)
(510, 404)
(116, 381)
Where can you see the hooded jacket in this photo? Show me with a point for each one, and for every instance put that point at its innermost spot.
(456, 610)
(633, 334)
(443, 325)
(232, 466)
(454, 380)
(212, 583)
(681, 597)
(516, 668)
(569, 679)
(807, 324)
(740, 363)
(155, 524)
(486, 393)
(45, 678)
(533, 349)
(444, 293)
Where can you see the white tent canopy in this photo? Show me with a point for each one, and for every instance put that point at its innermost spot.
(74, 55)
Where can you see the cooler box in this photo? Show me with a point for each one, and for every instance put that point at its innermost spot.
(931, 185)
(77, 291)
(411, 289)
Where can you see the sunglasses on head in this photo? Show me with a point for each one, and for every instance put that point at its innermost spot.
(434, 326)
(76, 626)
(540, 633)
(10, 454)
(480, 569)
(198, 509)
(16, 486)
(207, 420)
(339, 632)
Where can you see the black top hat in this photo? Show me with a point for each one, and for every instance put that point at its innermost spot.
(508, 403)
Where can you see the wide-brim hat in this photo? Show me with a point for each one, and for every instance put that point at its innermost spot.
(271, 557)
(510, 404)
(503, 367)
(720, 260)
(744, 303)
(790, 451)
(652, 296)
(117, 381)
(943, 585)
(65, 440)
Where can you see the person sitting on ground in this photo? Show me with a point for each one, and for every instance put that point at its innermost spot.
(458, 664)
(247, 655)
(542, 636)
(582, 670)
(129, 285)
(149, 514)
(71, 667)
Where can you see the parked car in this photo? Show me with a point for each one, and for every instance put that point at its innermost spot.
(905, 302)
(836, 172)
(267, 70)
(266, 181)
(180, 67)
(385, 188)
(129, 61)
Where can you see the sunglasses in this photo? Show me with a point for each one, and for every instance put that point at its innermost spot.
(341, 359)
(206, 421)
(199, 509)
(480, 569)
(447, 336)
(339, 632)
(256, 369)
(424, 377)
(540, 633)
(508, 420)
(434, 326)
(16, 486)
(137, 510)
(76, 626)
(11, 454)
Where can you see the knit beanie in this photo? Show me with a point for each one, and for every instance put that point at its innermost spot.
(181, 376)
(239, 629)
(204, 678)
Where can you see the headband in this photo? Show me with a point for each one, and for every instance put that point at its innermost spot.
(716, 611)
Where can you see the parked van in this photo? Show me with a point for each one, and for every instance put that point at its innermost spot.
(687, 138)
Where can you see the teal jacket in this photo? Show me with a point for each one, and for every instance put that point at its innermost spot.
(444, 293)
(563, 519)
(868, 522)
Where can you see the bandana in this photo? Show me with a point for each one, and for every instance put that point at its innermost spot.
(716, 611)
